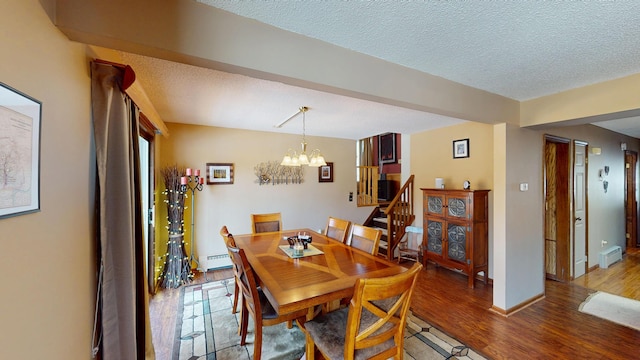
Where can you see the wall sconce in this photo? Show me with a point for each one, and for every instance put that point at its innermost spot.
(596, 151)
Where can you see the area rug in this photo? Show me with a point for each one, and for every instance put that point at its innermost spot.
(207, 330)
(614, 308)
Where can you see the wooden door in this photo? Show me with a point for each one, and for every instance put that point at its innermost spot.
(580, 243)
(557, 208)
(631, 201)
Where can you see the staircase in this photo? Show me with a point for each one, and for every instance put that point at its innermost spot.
(392, 218)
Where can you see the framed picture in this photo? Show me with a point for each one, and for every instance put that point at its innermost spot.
(461, 148)
(20, 117)
(387, 148)
(325, 173)
(219, 173)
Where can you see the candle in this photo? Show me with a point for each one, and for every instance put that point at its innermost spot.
(197, 172)
(188, 171)
(183, 180)
(201, 180)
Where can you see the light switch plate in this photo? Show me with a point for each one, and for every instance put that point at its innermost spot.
(524, 186)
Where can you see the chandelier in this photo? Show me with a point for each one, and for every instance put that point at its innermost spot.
(292, 158)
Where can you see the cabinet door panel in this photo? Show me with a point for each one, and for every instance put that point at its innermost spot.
(435, 204)
(457, 207)
(434, 236)
(457, 242)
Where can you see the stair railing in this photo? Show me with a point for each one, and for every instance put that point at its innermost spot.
(367, 185)
(399, 215)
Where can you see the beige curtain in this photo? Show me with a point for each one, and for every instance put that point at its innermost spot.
(123, 300)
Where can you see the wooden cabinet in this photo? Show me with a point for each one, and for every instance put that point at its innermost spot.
(456, 230)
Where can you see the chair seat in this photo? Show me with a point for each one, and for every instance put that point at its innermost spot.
(268, 312)
(329, 333)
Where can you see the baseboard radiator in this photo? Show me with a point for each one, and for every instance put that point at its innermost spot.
(213, 262)
(610, 256)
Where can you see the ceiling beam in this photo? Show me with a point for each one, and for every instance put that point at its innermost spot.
(197, 34)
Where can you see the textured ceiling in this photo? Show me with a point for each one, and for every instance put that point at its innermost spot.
(517, 49)
(194, 95)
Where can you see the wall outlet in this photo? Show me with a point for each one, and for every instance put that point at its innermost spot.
(603, 243)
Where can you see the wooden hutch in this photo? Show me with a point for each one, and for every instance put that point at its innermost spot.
(456, 230)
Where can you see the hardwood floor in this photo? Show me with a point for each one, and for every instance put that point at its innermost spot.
(550, 328)
(621, 279)
(162, 312)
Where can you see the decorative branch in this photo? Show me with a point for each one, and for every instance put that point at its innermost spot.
(276, 174)
(177, 270)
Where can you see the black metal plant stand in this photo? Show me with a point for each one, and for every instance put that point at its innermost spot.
(191, 183)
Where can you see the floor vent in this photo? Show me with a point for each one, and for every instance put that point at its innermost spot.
(213, 262)
(610, 256)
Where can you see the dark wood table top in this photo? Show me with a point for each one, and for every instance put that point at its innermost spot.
(293, 284)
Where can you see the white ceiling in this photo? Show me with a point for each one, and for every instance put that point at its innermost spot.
(520, 50)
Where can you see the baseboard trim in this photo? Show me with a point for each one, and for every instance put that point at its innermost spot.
(515, 309)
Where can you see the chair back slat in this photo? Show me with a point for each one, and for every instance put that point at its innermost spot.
(337, 229)
(266, 222)
(365, 238)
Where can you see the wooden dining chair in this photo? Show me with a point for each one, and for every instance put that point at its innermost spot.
(229, 242)
(365, 238)
(266, 222)
(372, 327)
(337, 229)
(255, 303)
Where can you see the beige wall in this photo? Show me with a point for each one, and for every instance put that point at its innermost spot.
(306, 205)
(432, 156)
(522, 247)
(607, 100)
(47, 258)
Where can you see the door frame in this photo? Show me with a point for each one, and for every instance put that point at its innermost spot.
(147, 132)
(561, 198)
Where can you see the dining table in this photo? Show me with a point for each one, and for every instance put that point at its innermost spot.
(325, 273)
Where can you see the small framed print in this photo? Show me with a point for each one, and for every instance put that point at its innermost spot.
(325, 173)
(461, 148)
(219, 173)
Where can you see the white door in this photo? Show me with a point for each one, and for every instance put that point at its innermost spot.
(579, 209)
